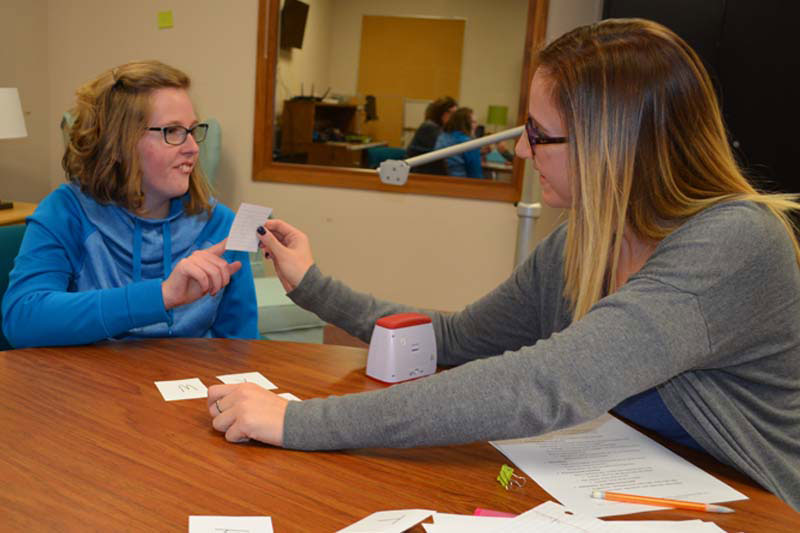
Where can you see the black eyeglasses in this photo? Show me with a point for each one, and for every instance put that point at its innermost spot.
(176, 135)
(535, 136)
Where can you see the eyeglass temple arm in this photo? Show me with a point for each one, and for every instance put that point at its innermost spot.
(395, 172)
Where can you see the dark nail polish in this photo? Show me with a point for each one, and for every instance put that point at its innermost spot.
(266, 255)
(261, 230)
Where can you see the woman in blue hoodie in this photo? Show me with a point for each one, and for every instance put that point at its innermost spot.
(132, 246)
(460, 128)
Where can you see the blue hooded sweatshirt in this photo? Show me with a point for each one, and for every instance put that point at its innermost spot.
(88, 272)
(466, 164)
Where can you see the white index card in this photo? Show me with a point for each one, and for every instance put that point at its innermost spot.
(243, 236)
(248, 377)
(388, 521)
(289, 396)
(230, 524)
(182, 389)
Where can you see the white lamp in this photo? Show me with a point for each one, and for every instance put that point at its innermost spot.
(12, 122)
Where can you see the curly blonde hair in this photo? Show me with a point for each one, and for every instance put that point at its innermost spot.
(110, 116)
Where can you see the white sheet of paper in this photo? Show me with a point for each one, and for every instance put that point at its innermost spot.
(230, 524)
(388, 521)
(248, 377)
(551, 517)
(459, 523)
(243, 236)
(607, 454)
(289, 396)
(664, 526)
(182, 389)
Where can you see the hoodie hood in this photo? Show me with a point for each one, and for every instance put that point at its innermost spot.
(141, 248)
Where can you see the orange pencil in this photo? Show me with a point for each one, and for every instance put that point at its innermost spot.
(661, 502)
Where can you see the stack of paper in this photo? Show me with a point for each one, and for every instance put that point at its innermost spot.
(609, 455)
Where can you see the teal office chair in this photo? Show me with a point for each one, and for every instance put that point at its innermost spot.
(209, 149)
(377, 154)
(10, 241)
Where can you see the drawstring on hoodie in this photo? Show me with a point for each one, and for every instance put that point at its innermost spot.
(166, 259)
(167, 263)
(167, 249)
(137, 250)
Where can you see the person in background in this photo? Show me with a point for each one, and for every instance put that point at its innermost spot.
(670, 297)
(436, 115)
(460, 128)
(504, 155)
(133, 245)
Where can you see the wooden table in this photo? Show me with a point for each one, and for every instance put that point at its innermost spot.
(17, 214)
(88, 444)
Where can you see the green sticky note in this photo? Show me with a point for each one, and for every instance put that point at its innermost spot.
(164, 20)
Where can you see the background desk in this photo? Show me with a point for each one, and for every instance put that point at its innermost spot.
(497, 171)
(88, 444)
(340, 154)
(17, 214)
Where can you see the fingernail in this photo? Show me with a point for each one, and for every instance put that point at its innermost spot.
(261, 230)
(266, 255)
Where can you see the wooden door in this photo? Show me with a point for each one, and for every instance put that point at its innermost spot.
(405, 57)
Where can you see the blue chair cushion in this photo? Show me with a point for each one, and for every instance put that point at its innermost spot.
(377, 154)
(10, 241)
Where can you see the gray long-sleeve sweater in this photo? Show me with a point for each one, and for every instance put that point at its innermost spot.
(711, 320)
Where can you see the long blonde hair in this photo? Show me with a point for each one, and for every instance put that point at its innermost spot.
(111, 115)
(647, 145)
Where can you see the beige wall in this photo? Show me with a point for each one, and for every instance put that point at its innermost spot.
(23, 64)
(430, 251)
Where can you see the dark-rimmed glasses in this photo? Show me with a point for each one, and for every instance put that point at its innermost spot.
(536, 137)
(176, 135)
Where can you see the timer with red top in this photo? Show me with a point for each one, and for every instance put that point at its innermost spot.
(402, 347)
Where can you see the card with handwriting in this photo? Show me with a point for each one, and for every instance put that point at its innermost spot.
(230, 524)
(388, 521)
(248, 377)
(182, 389)
(243, 236)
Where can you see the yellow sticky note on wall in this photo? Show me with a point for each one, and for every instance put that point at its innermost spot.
(164, 20)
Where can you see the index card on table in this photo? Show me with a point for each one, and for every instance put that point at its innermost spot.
(182, 389)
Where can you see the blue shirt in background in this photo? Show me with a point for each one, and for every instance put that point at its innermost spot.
(466, 164)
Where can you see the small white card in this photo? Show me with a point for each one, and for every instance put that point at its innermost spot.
(182, 389)
(230, 524)
(243, 236)
(388, 521)
(289, 396)
(248, 377)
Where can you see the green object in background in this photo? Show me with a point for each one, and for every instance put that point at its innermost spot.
(497, 115)
(164, 20)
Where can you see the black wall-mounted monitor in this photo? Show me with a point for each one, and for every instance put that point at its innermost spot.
(293, 24)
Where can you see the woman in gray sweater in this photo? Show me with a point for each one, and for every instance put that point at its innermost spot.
(671, 296)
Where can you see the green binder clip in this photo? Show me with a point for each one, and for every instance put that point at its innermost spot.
(507, 478)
